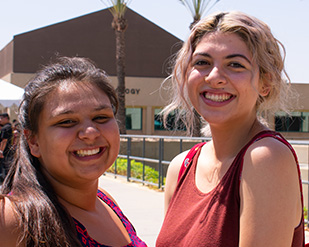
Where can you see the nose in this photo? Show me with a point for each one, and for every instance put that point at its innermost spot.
(215, 77)
(88, 131)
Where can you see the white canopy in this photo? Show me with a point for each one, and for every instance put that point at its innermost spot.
(10, 94)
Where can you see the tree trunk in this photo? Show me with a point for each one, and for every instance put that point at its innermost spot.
(120, 65)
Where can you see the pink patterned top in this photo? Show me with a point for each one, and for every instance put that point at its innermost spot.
(87, 241)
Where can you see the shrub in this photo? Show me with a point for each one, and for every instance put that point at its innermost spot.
(151, 175)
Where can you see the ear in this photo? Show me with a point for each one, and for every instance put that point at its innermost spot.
(264, 90)
(265, 87)
(33, 143)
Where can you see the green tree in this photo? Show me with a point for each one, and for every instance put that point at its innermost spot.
(119, 24)
(197, 8)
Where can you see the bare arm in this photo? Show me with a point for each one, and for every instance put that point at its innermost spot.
(9, 230)
(171, 178)
(270, 195)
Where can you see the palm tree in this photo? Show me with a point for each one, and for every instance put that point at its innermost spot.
(197, 9)
(119, 24)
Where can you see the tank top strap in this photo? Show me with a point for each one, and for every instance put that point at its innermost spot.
(264, 134)
(274, 134)
(189, 157)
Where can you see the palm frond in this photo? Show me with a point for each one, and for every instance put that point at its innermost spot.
(198, 7)
(188, 6)
(117, 7)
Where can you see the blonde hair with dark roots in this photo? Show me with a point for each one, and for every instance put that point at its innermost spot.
(267, 51)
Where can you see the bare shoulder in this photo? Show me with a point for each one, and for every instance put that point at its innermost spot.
(172, 176)
(9, 223)
(269, 188)
(269, 160)
(271, 154)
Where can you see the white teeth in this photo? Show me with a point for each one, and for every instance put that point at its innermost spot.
(83, 153)
(217, 97)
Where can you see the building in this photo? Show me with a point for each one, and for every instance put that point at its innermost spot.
(149, 50)
(297, 125)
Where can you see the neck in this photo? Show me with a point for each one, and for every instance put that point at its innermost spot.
(81, 198)
(79, 195)
(228, 140)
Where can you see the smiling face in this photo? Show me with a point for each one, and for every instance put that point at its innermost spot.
(78, 137)
(223, 79)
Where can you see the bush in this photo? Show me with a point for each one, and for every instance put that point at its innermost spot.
(151, 175)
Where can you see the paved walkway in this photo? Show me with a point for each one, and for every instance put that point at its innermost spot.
(143, 206)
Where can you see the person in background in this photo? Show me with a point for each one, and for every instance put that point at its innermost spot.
(6, 134)
(69, 138)
(243, 187)
(16, 133)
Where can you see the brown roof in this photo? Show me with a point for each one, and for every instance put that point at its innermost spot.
(148, 47)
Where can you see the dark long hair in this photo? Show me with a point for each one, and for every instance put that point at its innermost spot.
(43, 220)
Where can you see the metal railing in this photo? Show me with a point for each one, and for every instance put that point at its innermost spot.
(160, 156)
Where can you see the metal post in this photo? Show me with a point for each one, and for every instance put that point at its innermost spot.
(180, 146)
(143, 160)
(160, 163)
(128, 159)
(162, 158)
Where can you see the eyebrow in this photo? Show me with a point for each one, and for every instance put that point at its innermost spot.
(204, 54)
(66, 112)
(103, 107)
(239, 55)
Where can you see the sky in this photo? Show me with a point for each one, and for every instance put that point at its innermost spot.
(288, 20)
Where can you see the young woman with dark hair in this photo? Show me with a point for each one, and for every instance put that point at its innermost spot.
(69, 138)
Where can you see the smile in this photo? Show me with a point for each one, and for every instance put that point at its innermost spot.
(89, 152)
(217, 97)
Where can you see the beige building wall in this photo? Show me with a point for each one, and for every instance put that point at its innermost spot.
(21, 79)
(145, 93)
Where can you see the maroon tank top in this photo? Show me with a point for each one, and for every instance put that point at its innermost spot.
(211, 219)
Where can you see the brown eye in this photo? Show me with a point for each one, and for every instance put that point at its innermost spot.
(66, 123)
(236, 65)
(101, 118)
(201, 63)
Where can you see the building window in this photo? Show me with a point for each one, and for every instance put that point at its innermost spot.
(171, 124)
(305, 126)
(134, 118)
(296, 122)
(158, 120)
